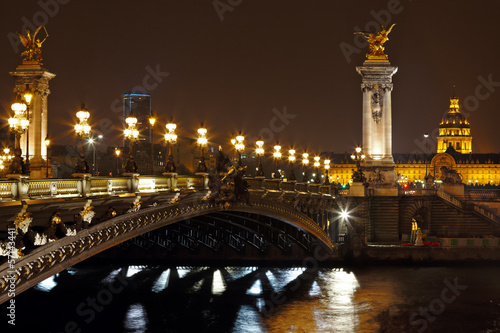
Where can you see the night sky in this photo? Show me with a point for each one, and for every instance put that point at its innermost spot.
(231, 69)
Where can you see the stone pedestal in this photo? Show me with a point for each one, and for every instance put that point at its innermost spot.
(454, 189)
(172, 180)
(84, 183)
(204, 176)
(357, 189)
(133, 182)
(20, 190)
(30, 75)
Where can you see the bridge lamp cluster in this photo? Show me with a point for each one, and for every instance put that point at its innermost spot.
(202, 141)
(277, 157)
(291, 160)
(327, 167)
(260, 152)
(131, 132)
(239, 146)
(202, 136)
(170, 139)
(170, 136)
(82, 128)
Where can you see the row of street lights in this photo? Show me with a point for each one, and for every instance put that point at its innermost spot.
(19, 124)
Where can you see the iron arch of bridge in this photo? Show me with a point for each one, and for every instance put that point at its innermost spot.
(54, 257)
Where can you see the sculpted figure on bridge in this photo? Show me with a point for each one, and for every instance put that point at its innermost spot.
(228, 185)
(450, 176)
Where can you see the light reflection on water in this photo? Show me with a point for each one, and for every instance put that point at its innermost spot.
(270, 299)
(136, 319)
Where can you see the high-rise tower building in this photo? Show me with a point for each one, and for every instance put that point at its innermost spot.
(454, 131)
(140, 106)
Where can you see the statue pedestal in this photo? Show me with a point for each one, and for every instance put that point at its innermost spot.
(133, 182)
(204, 177)
(172, 180)
(357, 189)
(20, 190)
(454, 189)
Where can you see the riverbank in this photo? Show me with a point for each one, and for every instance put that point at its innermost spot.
(424, 254)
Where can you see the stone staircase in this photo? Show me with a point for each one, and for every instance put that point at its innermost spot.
(383, 219)
(458, 219)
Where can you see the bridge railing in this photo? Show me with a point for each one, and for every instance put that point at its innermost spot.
(88, 186)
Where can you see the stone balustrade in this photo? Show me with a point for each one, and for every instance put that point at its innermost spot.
(84, 185)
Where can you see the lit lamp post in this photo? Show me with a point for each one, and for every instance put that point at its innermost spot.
(277, 157)
(358, 157)
(47, 144)
(170, 139)
(27, 97)
(426, 136)
(152, 120)
(131, 134)
(291, 159)
(317, 179)
(82, 130)
(327, 167)
(240, 147)
(117, 153)
(260, 152)
(18, 124)
(305, 163)
(202, 141)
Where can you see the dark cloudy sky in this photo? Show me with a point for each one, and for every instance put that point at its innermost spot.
(262, 56)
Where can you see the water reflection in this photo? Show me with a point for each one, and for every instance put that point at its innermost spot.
(266, 299)
(136, 319)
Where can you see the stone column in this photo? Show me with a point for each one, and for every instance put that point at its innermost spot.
(377, 125)
(30, 75)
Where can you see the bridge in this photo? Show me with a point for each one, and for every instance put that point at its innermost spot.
(52, 224)
(55, 223)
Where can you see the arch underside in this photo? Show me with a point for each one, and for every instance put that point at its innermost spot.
(243, 226)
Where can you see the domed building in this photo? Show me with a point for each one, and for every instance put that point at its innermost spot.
(454, 151)
(454, 131)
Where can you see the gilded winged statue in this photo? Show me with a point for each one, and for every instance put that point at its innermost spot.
(376, 43)
(32, 44)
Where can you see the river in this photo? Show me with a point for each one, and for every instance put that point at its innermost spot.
(243, 299)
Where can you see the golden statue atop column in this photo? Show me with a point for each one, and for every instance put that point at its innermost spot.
(33, 46)
(31, 78)
(376, 44)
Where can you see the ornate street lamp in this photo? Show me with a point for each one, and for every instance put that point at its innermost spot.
(277, 157)
(152, 120)
(117, 153)
(291, 159)
(260, 152)
(317, 179)
(131, 134)
(358, 156)
(170, 139)
(47, 144)
(28, 96)
(18, 124)
(305, 163)
(240, 147)
(82, 130)
(202, 142)
(327, 167)
(426, 136)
